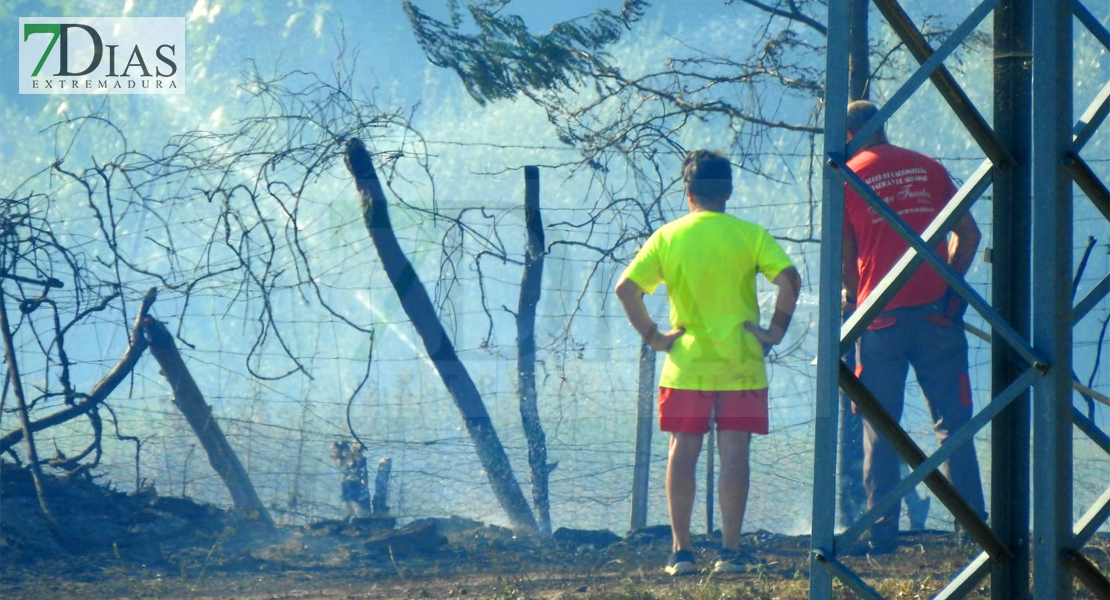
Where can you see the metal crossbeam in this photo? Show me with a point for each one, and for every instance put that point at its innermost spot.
(1087, 181)
(961, 105)
(1092, 118)
(1077, 385)
(1086, 571)
(927, 467)
(1087, 392)
(1091, 300)
(912, 454)
(1091, 23)
(847, 576)
(1087, 426)
(1095, 516)
(1088, 574)
(968, 579)
(924, 72)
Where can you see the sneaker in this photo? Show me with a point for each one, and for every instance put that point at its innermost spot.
(735, 561)
(681, 563)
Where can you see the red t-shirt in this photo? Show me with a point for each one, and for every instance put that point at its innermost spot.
(917, 188)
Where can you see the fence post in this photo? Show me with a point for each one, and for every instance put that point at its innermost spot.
(645, 410)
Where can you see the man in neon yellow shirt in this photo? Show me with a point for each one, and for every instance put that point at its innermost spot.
(714, 369)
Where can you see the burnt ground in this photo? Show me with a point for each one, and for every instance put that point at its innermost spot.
(108, 544)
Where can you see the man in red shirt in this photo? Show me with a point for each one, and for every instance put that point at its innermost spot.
(921, 326)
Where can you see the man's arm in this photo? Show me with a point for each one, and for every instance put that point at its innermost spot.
(963, 243)
(632, 299)
(789, 283)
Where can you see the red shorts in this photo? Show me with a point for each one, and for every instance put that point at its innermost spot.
(689, 411)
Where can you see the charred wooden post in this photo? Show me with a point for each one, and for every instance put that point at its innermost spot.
(418, 306)
(379, 503)
(189, 400)
(24, 419)
(526, 349)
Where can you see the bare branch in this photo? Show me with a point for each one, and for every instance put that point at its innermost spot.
(101, 390)
(792, 13)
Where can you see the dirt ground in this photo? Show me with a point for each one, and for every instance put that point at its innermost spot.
(108, 545)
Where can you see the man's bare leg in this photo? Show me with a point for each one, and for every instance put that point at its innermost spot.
(733, 486)
(682, 485)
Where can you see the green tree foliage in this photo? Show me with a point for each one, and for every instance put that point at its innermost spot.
(746, 87)
(503, 58)
(752, 71)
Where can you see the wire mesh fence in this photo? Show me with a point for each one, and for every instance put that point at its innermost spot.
(256, 241)
(283, 428)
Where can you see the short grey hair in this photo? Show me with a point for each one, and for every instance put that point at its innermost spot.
(859, 113)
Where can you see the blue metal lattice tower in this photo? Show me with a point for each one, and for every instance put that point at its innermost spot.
(1034, 157)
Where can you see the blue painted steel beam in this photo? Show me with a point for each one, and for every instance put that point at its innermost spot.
(1086, 571)
(1052, 268)
(949, 89)
(847, 576)
(1094, 432)
(1088, 574)
(924, 72)
(829, 317)
(1091, 520)
(908, 450)
(1011, 224)
(1081, 173)
(968, 579)
(942, 268)
(1091, 23)
(964, 435)
(1091, 300)
(1092, 118)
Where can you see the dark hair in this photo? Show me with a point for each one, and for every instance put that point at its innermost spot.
(859, 113)
(708, 177)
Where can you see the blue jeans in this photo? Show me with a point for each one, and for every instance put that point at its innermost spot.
(936, 346)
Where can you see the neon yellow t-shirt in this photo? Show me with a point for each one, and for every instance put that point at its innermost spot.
(708, 261)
